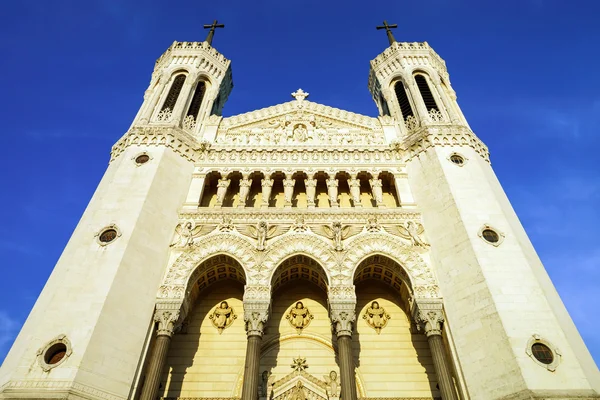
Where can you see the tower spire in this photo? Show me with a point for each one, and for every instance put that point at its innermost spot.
(388, 30)
(211, 32)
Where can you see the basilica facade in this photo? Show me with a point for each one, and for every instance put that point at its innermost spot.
(299, 252)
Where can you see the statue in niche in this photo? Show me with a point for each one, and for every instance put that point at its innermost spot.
(376, 317)
(333, 385)
(300, 133)
(223, 316)
(299, 317)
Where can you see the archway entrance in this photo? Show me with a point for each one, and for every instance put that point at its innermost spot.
(206, 356)
(298, 347)
(392, 358)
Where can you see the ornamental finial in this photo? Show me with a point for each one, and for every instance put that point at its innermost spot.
(300, 95)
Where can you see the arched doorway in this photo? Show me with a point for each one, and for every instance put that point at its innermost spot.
(206, 356)
(391, 357)
(298, 347)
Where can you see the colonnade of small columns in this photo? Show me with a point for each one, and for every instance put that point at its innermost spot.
(288, 189)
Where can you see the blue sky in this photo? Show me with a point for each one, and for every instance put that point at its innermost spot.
(525, 72)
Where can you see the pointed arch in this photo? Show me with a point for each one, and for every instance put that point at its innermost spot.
(299, 244)
(420, 275)
(174, 90)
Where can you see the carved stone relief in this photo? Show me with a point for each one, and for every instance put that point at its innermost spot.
(299, 317)
(222, 317)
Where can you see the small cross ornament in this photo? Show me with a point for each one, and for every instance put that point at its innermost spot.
(300, 95)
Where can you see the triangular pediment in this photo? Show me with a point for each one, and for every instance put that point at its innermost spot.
(300, 122)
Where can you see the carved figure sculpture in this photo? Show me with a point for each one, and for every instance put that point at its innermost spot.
(376, 317)
(186, 232)
(333, 385)
(267, 185)
(300, 133)
(337, 233)
(411, 231)
(298, 393)
(311, 191)
(299, 317)
(222, 186)
(355, 191)
(288, 191)
(376, 188)
(262, 232)
(223, 316)
(245, 184)
(332, 189)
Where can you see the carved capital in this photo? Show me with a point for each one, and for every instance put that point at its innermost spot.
(343, 317)
(167, 320)
(257, 300)
(429, 316)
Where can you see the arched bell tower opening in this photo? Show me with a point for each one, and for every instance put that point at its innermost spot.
(387, 346)
(299, 329)
(210, 344)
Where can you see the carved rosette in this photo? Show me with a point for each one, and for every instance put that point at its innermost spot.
(429, 316)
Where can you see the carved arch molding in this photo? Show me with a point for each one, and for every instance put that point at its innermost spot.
(259, 266)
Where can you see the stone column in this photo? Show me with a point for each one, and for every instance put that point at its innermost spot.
(194, 196)
(446, 101)
(166, 323)
(178, 110)
(311, 191)
(421, 111)
(342, 303)
(377, 190)
(267, 185)
(222, 186)
(288, 191)
(156, 95)
(355, 191)
(332, 191)
(429, 318)
(256, 314)
(245, 184)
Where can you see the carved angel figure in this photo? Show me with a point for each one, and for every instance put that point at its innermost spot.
(376, 317)
(186, 232)
(223, 316)
(299, 317)
(410, 230)
(333, 385)
(262, 232)
(337, 233)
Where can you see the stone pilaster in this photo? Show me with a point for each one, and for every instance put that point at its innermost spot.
(342, 306)
(178, 110)
(267, 185)
(256, 314)
(429, 317)
(166, 320)
(156, 95)
(332, 191)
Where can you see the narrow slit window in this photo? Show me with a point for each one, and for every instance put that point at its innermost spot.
(405, 107)
(197, 100)
(426, 93)
(173, 93)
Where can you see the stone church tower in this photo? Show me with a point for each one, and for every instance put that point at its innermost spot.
(299, 252)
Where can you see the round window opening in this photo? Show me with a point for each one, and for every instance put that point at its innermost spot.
(456, 159)
(55, 353)
(108, 235)
(490, 236)
(142, 159)
(542, 353)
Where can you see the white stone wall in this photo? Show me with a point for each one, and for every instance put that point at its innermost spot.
(102, 297)
(491, 294)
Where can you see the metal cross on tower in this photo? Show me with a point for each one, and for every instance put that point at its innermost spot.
(388, 30)
(211, 33)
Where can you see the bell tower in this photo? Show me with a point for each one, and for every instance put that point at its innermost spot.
(499, 302)
(94, 316)
(190, 83)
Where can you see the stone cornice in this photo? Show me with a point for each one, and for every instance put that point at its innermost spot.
(211, 55)
(428, 136)
(176, 139)
(214, 215)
